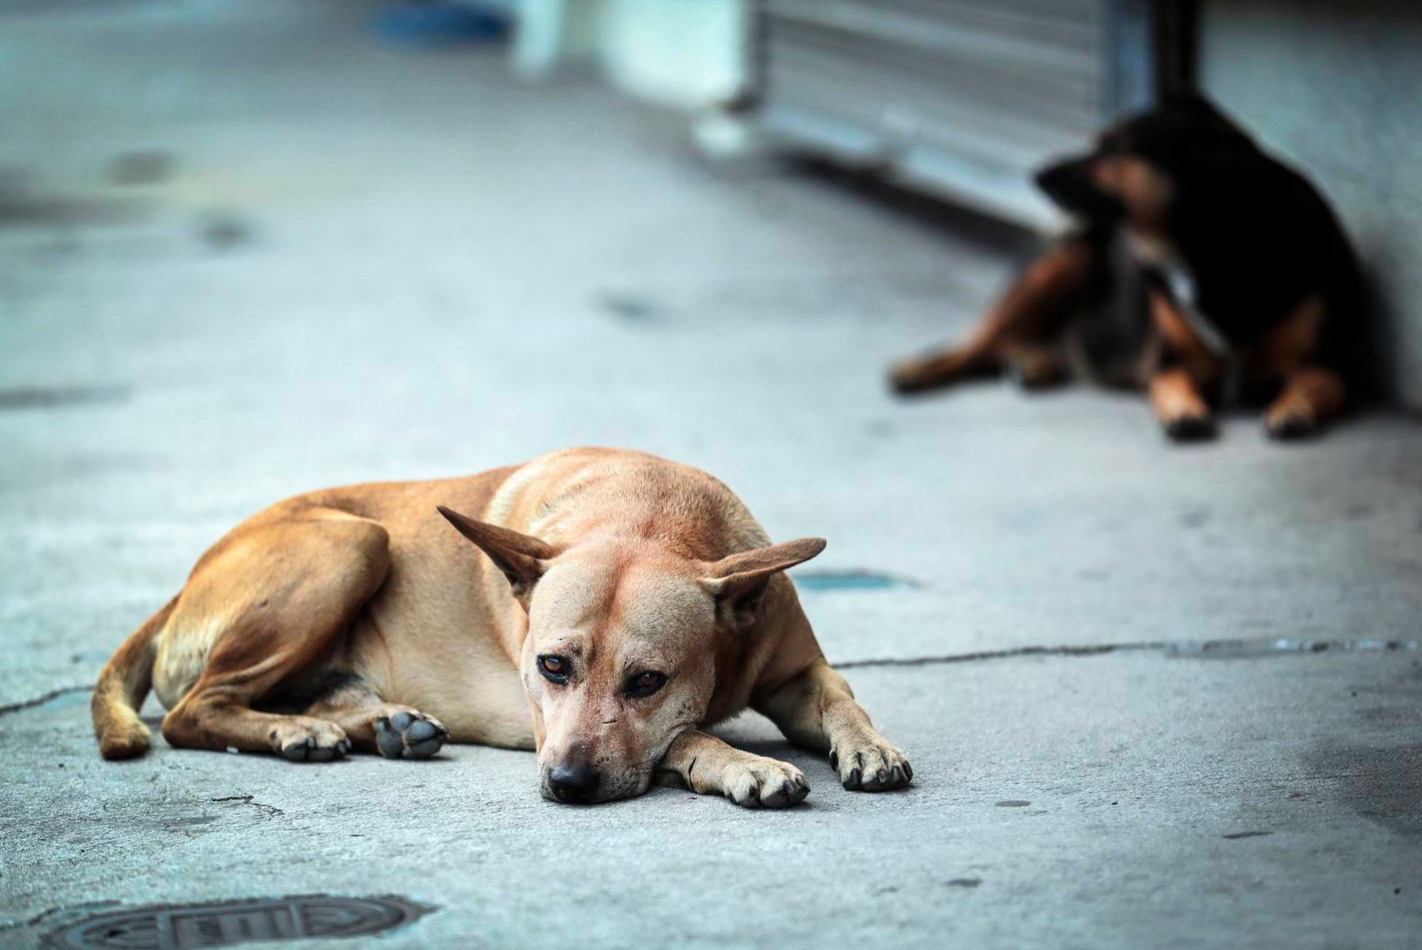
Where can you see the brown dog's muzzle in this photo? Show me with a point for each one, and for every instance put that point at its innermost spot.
(575, 784)
(573, 778)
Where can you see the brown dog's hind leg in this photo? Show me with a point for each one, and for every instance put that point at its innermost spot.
(372, 725)
(817, 710)
(1175, 389)
(1312, 397)
(283, 592)
(123, 686)
(709, 766)
(1027, 314)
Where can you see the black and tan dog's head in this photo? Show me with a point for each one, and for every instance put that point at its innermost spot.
(622, 649)
(1140, 165)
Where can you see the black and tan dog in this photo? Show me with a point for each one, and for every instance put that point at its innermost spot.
(1231, 277)
(622, 604)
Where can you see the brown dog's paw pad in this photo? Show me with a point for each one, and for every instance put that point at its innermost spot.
(766, 784)
(790, 792)
(872, 768)
(409, 735)
(1190, 429)
(316, 742)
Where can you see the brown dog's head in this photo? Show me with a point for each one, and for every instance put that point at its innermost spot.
(1139, 165)
(620, 656)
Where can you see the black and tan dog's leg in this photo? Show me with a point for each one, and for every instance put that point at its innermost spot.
(1311, 398)
(1175, 389)
(1312, 395)
(283, 593)
(1035, 366)
(1182, 411)
(817, 710)
(709, 766)
(372, 725)
(1025, 317)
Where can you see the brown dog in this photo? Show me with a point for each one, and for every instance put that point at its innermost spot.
(626, 602)
(1232, 277)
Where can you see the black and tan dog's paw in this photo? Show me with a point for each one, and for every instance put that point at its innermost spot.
(924, 374)
(1036, 369)
(910, 377)
(1190, 428)
(764, 783)
(871, 767)
(1291, 426)
(409, 735)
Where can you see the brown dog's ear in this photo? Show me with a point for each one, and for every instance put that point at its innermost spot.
(521, 557)
(738, 581)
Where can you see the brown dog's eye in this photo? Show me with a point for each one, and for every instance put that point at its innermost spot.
(645, 684)
(554, 668)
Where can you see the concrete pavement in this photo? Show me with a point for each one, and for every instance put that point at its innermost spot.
(247, 250)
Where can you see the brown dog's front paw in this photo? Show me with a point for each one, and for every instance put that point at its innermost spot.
(309, 740)
(764, 783)
(871, 767)
(409, 734)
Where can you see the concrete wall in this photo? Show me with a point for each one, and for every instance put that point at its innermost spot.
(687, 53)
(1337, 88)
(684, 53)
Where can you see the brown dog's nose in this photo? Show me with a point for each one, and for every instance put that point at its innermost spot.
(575, 784)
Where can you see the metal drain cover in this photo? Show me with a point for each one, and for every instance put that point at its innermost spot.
(225, 923)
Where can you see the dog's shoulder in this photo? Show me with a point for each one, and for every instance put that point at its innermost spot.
(1259, 237)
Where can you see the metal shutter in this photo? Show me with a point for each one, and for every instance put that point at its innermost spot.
(963, 98)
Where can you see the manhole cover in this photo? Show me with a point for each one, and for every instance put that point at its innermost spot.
(225, 923)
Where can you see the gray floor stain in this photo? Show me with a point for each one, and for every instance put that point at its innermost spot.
(224, 230)
(1381, 783)
(1196, 518)
(141, 168)
(850, 580)
(23, 205)
(49, 397)
(632, 309)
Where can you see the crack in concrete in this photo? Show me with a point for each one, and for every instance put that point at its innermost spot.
(35, 921)
(43, 698)
(1229, 648)
(270, 811)
(1197, 649)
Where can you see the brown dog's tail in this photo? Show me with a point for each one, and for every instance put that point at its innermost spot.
(123, 686)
